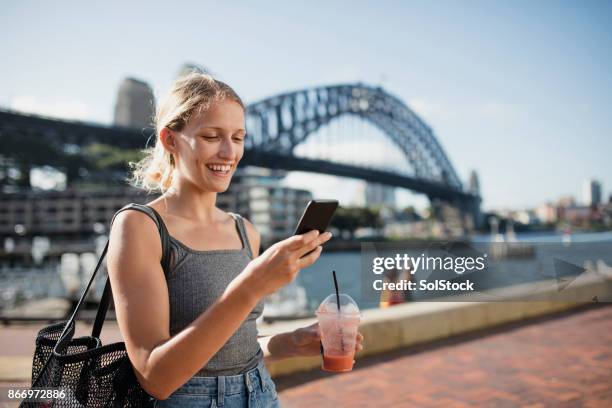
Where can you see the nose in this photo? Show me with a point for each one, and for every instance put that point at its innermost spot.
(226, 150)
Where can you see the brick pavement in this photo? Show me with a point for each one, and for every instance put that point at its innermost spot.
(565, 361)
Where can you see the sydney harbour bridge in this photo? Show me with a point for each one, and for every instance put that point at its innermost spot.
(350, 130)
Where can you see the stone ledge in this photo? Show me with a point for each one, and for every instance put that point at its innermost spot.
(15, 368)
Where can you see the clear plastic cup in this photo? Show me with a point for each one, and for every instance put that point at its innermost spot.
(338, 332)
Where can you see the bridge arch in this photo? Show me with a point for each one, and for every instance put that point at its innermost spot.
(280, 123)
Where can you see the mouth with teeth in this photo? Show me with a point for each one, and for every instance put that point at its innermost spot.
(220, 170)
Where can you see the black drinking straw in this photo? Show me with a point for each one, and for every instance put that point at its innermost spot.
(337, 291)
(338, 304)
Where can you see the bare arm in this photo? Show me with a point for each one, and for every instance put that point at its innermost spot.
(142, 306)
(272, 349)
(277, 346)
(282, 345)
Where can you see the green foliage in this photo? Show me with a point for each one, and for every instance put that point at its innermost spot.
(349, 219)
(105, 157)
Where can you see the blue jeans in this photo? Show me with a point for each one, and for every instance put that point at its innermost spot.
(253, 389)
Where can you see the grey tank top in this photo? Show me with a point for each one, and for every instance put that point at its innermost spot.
(196, 279)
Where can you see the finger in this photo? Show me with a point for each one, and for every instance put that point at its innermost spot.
(358, 347)
(309, 259)
(298, 241)
(323, 238)
(359, 337)
(307, 248)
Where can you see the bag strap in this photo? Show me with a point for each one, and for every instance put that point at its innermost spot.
(68, 331)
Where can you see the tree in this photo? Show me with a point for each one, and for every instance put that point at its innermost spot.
(349, 219)
(106, 157)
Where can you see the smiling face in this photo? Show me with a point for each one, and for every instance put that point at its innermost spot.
(209, 147)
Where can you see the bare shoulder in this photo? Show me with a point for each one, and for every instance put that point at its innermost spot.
(253, 235)
(134, 231)
(132, 221)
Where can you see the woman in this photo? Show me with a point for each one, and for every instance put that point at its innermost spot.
(191, 335)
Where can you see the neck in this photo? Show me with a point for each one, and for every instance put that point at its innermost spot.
(184, 200)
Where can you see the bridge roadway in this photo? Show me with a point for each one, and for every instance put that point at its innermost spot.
(432, 189)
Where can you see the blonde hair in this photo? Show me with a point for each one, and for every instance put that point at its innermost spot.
(190, 95)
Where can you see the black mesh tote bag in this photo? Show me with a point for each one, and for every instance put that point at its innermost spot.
(84, 372)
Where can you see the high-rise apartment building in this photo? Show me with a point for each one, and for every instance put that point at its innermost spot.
(379, 195)
(592, 193)
(135, 106)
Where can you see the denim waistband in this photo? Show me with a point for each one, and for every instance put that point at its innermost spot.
(226, 385)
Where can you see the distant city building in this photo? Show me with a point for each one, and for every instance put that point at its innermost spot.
(567, 201)
(474, 184)
(577, 215)
(189, 67)
(379, 195)
(547, 213)
(135, 107)
(358, 197)
(403, 229)
(592, 193)
(63, 213)
(607, 213)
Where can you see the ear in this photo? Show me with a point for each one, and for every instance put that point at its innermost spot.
(168, 139)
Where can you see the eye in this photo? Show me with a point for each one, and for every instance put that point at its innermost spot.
(239, 137)
(211, 138)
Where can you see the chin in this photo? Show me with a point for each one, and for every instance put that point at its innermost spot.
(217, 187)
(214, 184)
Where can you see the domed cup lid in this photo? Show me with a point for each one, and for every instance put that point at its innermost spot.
(330, 305)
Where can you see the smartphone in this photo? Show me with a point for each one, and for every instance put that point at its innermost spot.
(317, 215)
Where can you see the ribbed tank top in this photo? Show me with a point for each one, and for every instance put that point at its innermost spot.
(196, 279)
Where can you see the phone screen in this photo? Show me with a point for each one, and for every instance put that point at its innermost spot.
(317, 216)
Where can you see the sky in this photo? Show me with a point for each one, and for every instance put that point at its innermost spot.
(519, 91)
